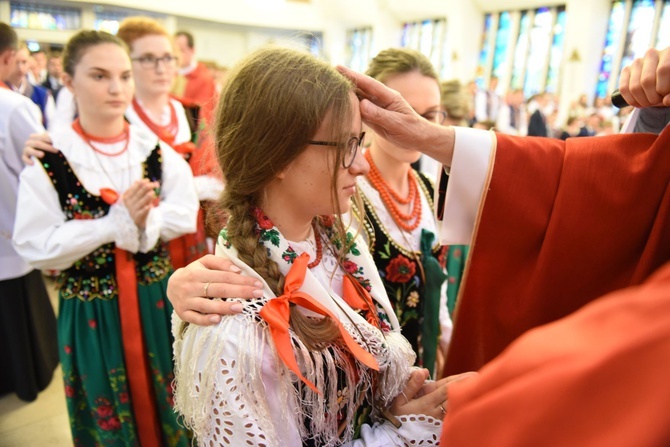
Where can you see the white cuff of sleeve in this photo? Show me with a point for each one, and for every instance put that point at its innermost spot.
(468, 175)
(126, 233)
(208, 188)
(420, 429)
(152, 230)
(415, 429)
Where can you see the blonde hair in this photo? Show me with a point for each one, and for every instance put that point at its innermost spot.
(395, 61)
(454, 101)
(271, 106)
(133, 28)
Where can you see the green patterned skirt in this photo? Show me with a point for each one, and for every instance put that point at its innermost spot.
(94, 370)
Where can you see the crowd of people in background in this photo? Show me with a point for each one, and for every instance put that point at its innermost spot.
(539, 114)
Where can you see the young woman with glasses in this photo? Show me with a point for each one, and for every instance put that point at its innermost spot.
(176, 123)
(98, 210)
(400, 227)
(318, 359)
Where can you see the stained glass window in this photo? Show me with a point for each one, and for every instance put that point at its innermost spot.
(556, 55)
(411, 34)
(501, 53)
(427, 36)
(359, 44)
(108, 21)
(614, 30)
(426, 39)
(440, 57)
(520, 52)
(663, 37)
(44, 17)
(638, 36)
(484, 53)
(540, 42)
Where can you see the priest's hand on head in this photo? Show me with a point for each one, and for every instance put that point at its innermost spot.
(646, 82)
(391, 117)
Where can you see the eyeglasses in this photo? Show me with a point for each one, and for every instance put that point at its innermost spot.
(149, 61)
(435, 116)
(352, 148)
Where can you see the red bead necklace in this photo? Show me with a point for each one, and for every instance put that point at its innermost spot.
(89, 139)
(407, 222)
(166, 133)
(319, 249)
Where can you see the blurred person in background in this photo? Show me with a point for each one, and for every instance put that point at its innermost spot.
(54, 72)
(19, 82)
(513, 119)
(195, 83)
(27, 321)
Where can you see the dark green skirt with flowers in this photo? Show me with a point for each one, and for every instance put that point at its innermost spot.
(94, 371)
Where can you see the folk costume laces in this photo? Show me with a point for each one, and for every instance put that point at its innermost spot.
(276, 312)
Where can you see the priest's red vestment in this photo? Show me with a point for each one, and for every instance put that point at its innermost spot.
(561, 224)
(596, 378)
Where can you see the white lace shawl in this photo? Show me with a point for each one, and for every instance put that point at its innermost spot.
(232, 388)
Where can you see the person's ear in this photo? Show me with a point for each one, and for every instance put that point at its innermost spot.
(66, 79)
(6, 56)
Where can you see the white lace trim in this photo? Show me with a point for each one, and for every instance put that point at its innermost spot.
(420, 430)
(218, 393)
(126, 233)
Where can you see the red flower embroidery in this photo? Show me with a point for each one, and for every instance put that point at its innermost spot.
(350, 267)
(263, 221)
(92, 324)
(327, 220)
(114, 423)
(400, 269)
(123, 398)
(105, 411)
(110, 424)
(69, 391)
(67, 349)
(160, 304)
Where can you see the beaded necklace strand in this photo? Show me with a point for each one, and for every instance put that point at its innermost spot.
(407, 222)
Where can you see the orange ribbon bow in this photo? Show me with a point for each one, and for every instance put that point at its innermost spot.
(276, 313)
(109, 196)
(184, 148)
(359, 299)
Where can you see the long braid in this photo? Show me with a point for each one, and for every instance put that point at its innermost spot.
(241, 233)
